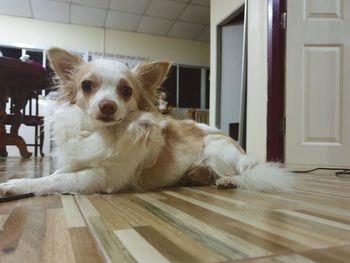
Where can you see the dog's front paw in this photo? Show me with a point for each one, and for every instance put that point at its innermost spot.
(18, 186)
(227, 182)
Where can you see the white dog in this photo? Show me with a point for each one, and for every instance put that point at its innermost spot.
(110, 137)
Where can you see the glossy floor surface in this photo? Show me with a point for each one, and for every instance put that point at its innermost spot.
(200, 224)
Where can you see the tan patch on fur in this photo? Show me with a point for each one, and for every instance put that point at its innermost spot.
(69, 88)
(184, 129)
(198, 176)
(67, 92)
(143, 132)
(121, 85)
(150, 76)
(147, 101)
(65, 65)
(63, 62)
(183, 134)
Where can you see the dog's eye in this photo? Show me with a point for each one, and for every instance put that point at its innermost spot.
(127, 91)
(86, 86)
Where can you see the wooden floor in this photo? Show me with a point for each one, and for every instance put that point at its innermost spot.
(200, 224)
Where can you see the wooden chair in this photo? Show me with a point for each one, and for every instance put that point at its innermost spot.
(21, 81)
(31, 118)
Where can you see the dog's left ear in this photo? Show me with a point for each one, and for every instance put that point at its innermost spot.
(152, 74)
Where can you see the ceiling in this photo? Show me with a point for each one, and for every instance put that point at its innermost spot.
(186, 19)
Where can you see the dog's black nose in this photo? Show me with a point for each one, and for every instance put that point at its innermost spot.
(108, 107)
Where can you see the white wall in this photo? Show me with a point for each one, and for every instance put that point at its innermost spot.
(257, 68)
(231, 76)
(42, 34)
(177, 50)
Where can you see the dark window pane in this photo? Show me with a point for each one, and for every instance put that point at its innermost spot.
(169, 86)
(11, 52)
(207, 88)
(189, 87)
(35, 55)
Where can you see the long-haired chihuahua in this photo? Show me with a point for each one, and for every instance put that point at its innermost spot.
(110, 137)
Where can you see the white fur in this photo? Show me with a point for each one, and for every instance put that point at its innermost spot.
(131, 152)
(269, 177)
(243, 170)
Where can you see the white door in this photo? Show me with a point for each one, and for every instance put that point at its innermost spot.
(318, 82)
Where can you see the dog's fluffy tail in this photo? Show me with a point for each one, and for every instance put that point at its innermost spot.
(266, 177)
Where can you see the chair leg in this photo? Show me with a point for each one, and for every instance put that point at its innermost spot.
(36, 141)
(41, 136)
(3, 151)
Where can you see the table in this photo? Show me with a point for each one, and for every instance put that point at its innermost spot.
(17, 80)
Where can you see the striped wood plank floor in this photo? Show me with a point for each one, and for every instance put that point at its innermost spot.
(199, 224)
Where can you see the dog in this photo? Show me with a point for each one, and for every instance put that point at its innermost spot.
(110, 137)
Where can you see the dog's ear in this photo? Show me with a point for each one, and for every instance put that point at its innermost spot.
(63, 62)
(152, 74)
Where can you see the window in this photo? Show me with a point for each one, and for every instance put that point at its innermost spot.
(170, 86)
(207, 88)
(187, 87)
(35, 55)
(11, 52)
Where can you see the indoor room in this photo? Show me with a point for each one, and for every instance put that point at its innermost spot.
(174, 131)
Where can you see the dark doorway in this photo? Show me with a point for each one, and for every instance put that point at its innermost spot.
(276, 80)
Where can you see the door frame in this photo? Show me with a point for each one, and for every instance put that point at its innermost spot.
(237, 16)
(276, 38)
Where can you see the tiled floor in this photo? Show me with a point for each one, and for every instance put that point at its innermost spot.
(200, 224)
